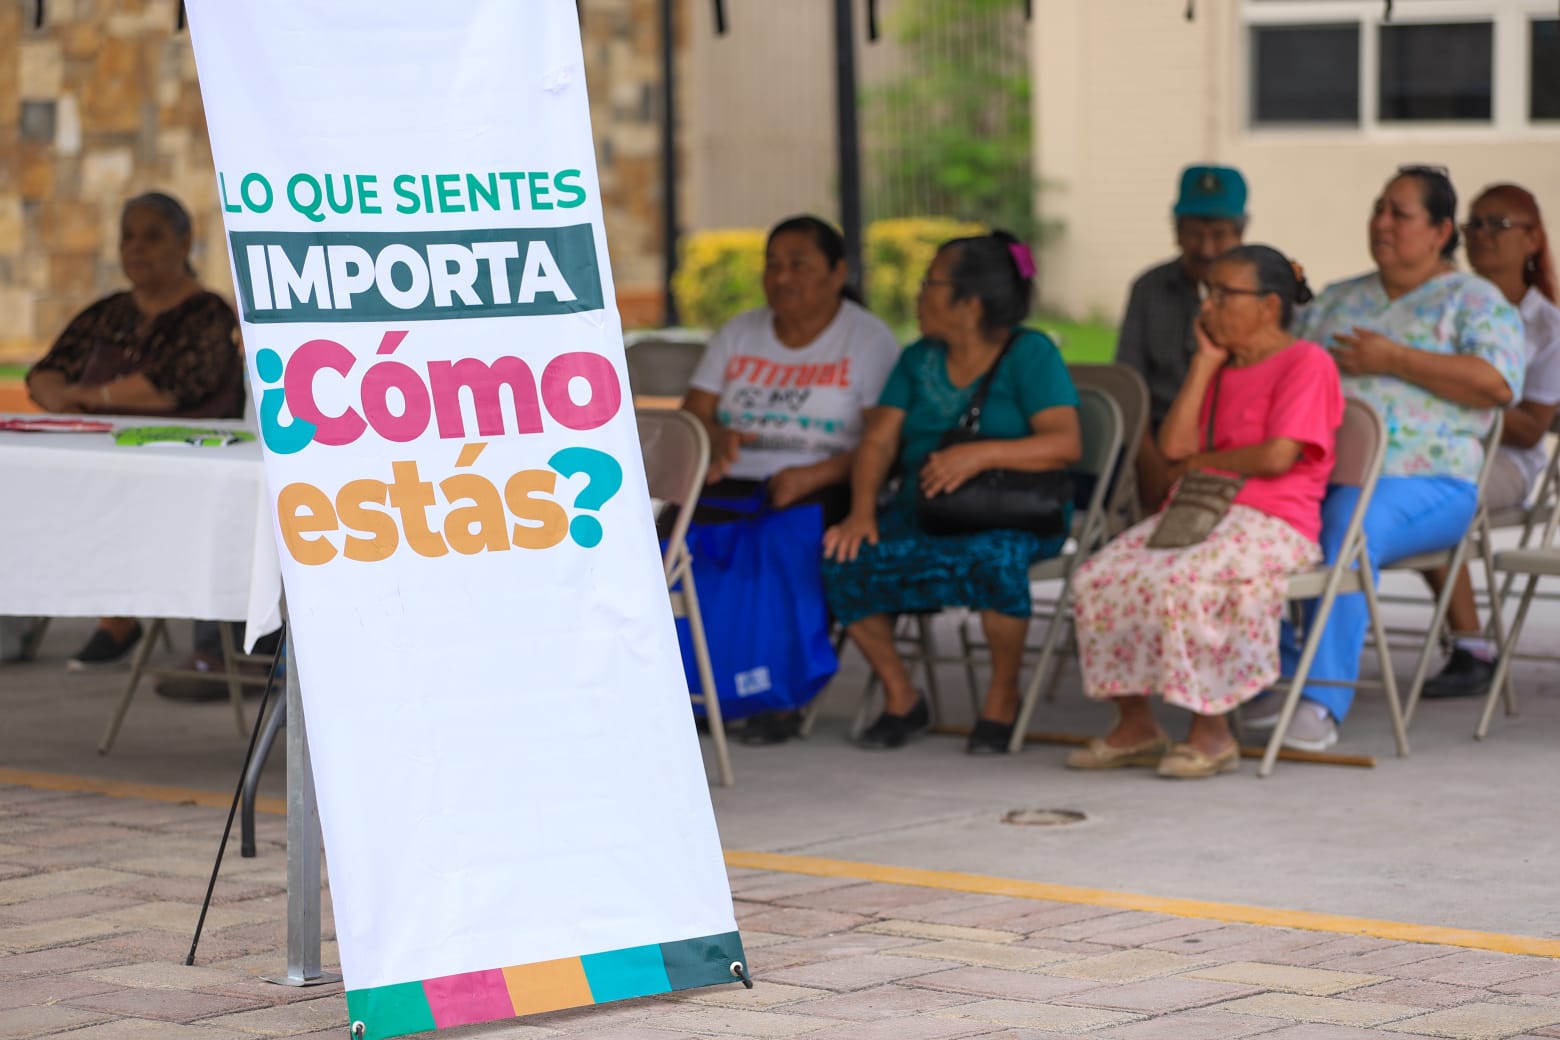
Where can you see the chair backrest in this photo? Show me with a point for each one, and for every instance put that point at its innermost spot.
(661, 365)
(676, 451)
(1100, 427)
(1126, 387)
(1361, 446)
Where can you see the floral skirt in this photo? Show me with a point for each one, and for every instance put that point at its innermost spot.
(1198, 625)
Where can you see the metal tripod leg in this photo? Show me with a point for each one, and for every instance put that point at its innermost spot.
(246, 820)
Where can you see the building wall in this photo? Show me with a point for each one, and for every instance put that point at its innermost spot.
(1128, 92)
(102, 103)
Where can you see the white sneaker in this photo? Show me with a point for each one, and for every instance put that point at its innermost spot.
(1311, 729)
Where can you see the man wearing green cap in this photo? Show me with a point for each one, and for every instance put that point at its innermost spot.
(1156, 333)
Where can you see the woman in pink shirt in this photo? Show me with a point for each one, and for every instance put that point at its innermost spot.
(1199, 625)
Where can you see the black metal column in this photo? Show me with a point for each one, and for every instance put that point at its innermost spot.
(669, 217)
(849, 138)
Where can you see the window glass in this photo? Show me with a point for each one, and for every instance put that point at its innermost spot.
(1305, 74)
(1544, 68)
(1436, 72)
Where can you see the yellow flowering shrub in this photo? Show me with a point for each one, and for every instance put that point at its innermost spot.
(720, 272)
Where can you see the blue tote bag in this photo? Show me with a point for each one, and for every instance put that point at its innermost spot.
(760, 589)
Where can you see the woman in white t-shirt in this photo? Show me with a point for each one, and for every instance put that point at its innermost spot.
(784, 390)
(1507, 245)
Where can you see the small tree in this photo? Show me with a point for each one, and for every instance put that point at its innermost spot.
(951, 134)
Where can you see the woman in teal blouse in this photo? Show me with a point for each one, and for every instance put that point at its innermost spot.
(881, 563)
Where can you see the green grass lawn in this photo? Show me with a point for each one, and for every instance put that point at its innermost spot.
(1081, 342)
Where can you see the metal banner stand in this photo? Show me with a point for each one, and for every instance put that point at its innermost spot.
(304, 847)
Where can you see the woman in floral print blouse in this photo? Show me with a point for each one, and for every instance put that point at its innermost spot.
(1437, 352)
(165, 347)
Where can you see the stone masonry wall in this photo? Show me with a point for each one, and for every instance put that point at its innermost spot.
(102, 103)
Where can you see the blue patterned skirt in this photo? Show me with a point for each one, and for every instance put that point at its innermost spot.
(910, 571)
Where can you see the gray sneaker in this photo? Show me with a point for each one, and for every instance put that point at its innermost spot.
(1311, 729)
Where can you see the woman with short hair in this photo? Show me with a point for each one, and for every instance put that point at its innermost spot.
(1506, 243)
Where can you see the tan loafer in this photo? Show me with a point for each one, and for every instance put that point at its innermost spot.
(1184, 762)
(1100, 755)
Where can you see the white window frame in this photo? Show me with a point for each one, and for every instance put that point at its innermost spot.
(1509, 87)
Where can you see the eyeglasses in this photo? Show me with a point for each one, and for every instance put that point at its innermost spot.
(1494, 225)
(1220, 294)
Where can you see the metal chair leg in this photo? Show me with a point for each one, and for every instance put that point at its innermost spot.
(230, 672)
(137, 668)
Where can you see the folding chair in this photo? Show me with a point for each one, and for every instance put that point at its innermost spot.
(1361, 447)
(1100, 425)
(1101, 428)
(1123, 505)
(1125, 385)
(1531, 516)
(661, 363)
(1476, 539)
(1540, 561)
(676, 452)
(235, 679)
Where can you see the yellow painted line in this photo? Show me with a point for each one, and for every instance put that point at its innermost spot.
(129, 789)
(1397, 931)
(948, 881)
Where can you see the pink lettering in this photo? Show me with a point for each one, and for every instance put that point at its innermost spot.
(485, 382)
(378, 381)
(298, 384)
(606, 396)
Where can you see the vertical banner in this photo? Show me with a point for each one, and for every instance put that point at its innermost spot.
(515, 808)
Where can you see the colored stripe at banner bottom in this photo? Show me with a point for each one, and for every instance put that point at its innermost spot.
(530, 989)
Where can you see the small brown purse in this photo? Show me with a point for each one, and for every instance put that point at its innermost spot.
(1200, 500)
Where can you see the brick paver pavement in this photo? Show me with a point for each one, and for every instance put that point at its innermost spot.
(98, 897)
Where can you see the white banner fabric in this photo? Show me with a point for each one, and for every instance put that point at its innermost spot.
(515, 808)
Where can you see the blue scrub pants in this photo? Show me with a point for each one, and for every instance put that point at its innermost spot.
(1407, 515)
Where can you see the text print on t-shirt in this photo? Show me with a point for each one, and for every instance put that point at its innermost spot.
(766, 395)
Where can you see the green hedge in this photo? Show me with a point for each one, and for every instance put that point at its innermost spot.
(720, 273)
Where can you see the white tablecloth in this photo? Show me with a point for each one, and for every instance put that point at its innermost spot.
(89, 528)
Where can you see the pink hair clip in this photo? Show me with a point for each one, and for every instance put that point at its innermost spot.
(1023, 259)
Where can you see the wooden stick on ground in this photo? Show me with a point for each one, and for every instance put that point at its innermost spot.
(1286, 754)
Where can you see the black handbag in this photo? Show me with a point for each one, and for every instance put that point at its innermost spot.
(1007, 499)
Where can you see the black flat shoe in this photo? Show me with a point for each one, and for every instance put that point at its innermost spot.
(989, 738)
(771, 727)
(894, 731)
(103, 650)
(1464, 676)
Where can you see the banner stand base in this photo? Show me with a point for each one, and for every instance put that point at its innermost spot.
(299, 981)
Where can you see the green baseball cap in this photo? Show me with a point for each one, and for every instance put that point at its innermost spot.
(1218, 192)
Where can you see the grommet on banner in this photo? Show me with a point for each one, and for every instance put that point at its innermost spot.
(736, 969)
(358, 1029)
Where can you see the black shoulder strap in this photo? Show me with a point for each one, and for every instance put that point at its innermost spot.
(970, 420)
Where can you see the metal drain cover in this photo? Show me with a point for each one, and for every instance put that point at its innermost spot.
(1043, 817)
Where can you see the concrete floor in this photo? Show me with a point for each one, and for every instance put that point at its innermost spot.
(1460, 834)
